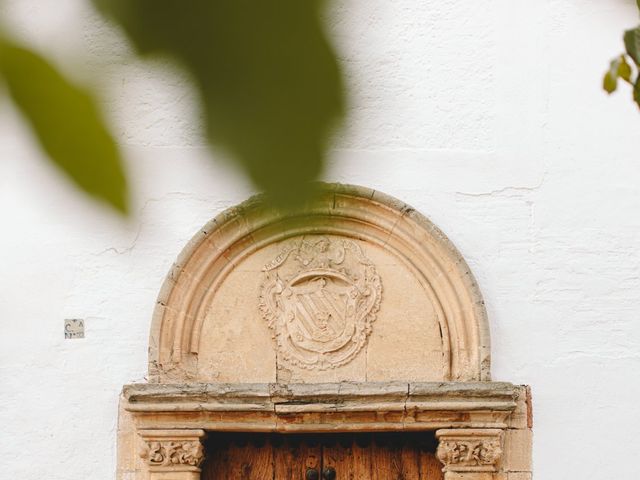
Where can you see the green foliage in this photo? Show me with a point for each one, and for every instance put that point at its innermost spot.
(66, 123)
(624, 69)
(621, 68)
(269, 81)
(632, 44)
(610, 83)
(269, 84)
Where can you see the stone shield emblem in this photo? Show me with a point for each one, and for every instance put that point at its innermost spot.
(320, 297)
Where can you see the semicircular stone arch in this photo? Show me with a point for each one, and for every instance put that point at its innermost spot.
(356, 286)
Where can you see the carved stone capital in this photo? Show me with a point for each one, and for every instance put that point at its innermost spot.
(175, 450)
(469, 450)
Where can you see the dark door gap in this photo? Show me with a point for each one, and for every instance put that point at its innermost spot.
(424, 440)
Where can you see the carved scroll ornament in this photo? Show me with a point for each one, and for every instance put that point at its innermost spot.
(320, 297)
(173, 453)
(469, 450)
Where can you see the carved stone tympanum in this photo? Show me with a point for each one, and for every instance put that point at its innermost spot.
(354, 286)
(320, 298)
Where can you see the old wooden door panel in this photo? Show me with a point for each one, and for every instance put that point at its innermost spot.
(348, 459)
(239, 457)
(383, 456)
(380, 456)
(259, 457)
(293, 455)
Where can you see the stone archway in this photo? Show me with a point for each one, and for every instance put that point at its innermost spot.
(354, 313)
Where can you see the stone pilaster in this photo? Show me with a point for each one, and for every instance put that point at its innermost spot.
(173, 454)
(469, 454)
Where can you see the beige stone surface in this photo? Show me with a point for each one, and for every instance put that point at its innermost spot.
(517, 455)
(515, 476)
(237, 345)
(173, 454)
(405, 343)
(367, 405)
(522, 416)
(127, 441)
(371, 291)
(465, 450)
(520, 476)
(470, 476)
(175, 476)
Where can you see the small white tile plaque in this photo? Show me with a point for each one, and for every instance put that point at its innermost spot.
(73, 328)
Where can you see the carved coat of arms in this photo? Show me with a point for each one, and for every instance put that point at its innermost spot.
(320, 297)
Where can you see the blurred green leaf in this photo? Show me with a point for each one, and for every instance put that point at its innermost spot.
(632, 44)
(610, 82)
(636, 91)
(66, 122)
(269, 80)
(624, 69)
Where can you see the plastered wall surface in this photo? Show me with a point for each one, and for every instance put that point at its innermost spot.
(486, 116)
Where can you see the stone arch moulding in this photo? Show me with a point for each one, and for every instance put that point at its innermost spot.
(357, 213)
(352, 313)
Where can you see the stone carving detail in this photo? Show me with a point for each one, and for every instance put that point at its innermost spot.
(173, 453)
(467, 450)
(320, 297)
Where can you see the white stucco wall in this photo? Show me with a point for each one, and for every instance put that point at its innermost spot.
(487, 116)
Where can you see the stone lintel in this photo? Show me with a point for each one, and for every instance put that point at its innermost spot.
(322, 407)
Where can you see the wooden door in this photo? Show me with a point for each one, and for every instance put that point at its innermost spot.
(360, 456)
(256, 456)
(382, 456)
